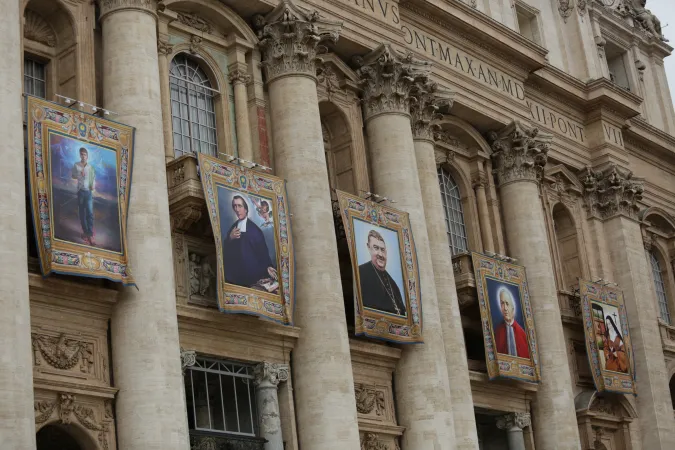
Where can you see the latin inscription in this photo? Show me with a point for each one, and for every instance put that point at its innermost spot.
(383, 10)
(556, 122)
(462, 62)
(613, 134)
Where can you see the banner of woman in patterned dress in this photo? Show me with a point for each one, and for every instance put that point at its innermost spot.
(506, 319)
(608, 340)
(386, 277)
(251, 227)
(79, 169)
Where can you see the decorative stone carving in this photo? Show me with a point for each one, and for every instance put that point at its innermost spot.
(611, 191)
(38, 29)
(206, 443)
(600, 43)
(43, 410)
(582, 7)
(188, 358)
(201, 275)
(182, 220)
(194, 21)
(270, 373)
(648, 239)
(289, 38)
(427, 98)
(644, 17)
(603, 406)
(239, 77)
(514, 420)
(163, 47)
(328, 78)
(443, 156)
(565, 8)
(519, 153)
(370, 441)
(641, 67)
(195, 44)
(387, 78)
(63, 353)
(369, 400)
(109, 6)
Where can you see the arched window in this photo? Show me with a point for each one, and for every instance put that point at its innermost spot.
(660, 287)
(454, 216)
(192, 108)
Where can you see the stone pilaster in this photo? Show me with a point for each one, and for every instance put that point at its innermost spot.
(267, 378)
(17, 427)
(144, 326)
(324, 383)
(480, 185)
(519, 156)
(612, 195)
(164, 50)
(427, 100)
(239, 80)
(387, 79)
(513, 424)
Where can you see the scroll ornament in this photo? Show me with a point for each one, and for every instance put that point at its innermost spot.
(369, 400)
(63, 353)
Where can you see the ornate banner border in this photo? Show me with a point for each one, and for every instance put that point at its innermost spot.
(606, 380)
(60, 256)
(501, 365)
(370, 322)
(238, 299)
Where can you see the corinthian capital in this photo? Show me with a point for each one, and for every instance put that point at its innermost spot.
(270, 374)
(513, 420)
(611, 191)
(289, 38)
(239, 76)
(387, 77)
(427, 98)
(109, 6)
(519, 153)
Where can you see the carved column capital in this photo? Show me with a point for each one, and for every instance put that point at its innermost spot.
(611, 191)
(110, 6)
(289, 38)
(387, 78)
(479, 180)
(519, 153)
(514, 420)
(427, 97)
(270, 374)
(238, 76)
(163, 47)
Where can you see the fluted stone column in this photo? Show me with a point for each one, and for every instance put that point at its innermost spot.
(479, 185)
(150, 406)
(513, 424)
(428, 99)
(519, 156)
(164, 49)
(323, 379)
(421, 378)
(267, 379)
(612, 195)
(17, 426)
(239, 80)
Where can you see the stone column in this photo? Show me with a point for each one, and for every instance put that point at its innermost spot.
(423, 111)
(513, 424)
(480, 183)
(323, 379)
(519, 156)
(17, 426)
(239, 80)
(267, 378)
(612, 195)
(163, 52)
(422, 387)
(150, 403)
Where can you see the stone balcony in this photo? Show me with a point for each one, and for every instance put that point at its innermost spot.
(204, 440)
(186, 196)
(465, 281)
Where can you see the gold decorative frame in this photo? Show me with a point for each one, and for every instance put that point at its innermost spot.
(63, 256)
(371, 322)
(500, 365)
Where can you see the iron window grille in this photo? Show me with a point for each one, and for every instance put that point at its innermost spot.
(453, 212)
(660, 287)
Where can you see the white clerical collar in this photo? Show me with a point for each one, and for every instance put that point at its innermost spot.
(510, 323)
(241, 225)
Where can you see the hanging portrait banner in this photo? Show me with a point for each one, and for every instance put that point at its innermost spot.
(387, 301)
(254, 249)
(79, 170)
(608, 342)
(506, 319)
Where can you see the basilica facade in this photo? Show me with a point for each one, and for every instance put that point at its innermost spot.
(540, 132)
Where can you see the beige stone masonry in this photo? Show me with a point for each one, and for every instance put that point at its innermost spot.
(323, 379)
(421, 378)
(17, 430)
(144, 325)
(519, 156)
(428, 99)
(612, 195)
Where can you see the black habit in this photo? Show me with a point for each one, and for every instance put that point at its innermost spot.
(378, 288)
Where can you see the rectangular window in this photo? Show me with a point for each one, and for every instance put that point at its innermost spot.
(34, 78)
(528, 24)
(220, 397)
(616, 64)
(660, 288)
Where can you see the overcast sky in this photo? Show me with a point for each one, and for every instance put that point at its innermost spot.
(665, 11)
